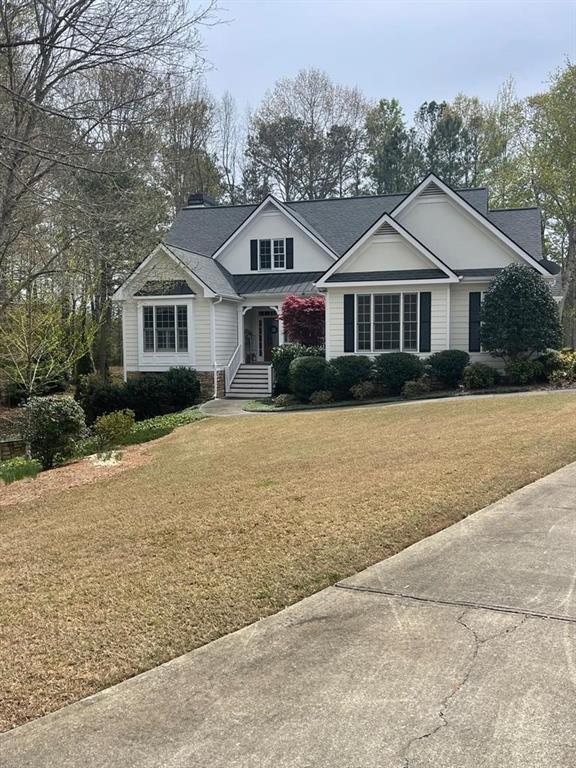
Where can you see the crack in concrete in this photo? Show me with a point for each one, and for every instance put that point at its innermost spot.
(458, 603)
(446, 702)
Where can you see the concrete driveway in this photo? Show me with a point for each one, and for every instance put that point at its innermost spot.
(458, 652)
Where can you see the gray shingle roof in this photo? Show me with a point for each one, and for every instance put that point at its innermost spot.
(338, 222)
(523, 225)
(277, 282)
(394, 274)
(210, 272)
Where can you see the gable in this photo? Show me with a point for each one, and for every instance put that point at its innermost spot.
(454, 235)
(268, 224)
(162, 270)
(383, 253)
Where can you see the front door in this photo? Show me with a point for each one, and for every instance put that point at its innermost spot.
(269, 336)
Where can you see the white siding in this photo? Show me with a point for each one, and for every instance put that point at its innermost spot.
(382, 253)
(203, 334)
(162, 267)
(130, 335)
(459, 322)
(308, 257)
(226, 331)
(335, 313)
(452, 234)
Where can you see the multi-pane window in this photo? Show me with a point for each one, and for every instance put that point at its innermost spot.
(363, 323)
(272, 254)
(165, 328)
(387, 322)
(410, 321)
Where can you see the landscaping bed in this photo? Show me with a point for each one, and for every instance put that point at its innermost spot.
(229, 520)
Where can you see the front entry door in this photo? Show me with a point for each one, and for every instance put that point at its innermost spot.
(269, 336)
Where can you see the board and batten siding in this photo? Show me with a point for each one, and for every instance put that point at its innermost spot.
(335, 314)
(226, 321)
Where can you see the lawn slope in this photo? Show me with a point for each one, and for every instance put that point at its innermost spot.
(234, 518)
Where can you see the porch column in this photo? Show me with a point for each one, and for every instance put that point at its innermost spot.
(280, 328)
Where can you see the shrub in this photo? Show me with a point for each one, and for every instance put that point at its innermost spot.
(349, 370)
(281, 401)
(561, 378)
(522, 371)
(448, 366)
(113, 429)
(52, 427)
(479, 376)
(98, 396)
(281, 359)
(320, 397)
(17, 469)
(307, 375)
(363, 390)
(184, 387)
(552, 360)
(416, 388)
(153, 394)
(519, 314)
(394, 369)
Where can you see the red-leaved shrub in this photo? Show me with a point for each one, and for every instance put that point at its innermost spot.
(303, 318)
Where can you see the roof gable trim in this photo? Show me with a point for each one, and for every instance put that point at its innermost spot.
(437, 184)
(390, 226)
(265, 204)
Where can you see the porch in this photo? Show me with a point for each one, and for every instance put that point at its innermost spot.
(249, 372)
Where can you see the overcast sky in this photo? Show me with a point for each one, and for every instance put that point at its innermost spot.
(415, 50)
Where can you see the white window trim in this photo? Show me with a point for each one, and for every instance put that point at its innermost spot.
(165, 358)
(372, 350)
(272, 268)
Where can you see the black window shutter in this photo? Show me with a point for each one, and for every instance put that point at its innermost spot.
(425, 320)
(254, 254)
(348, 322)
(475, 301)
(289, 253)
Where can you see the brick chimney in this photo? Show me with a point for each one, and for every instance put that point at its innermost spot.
(200, 200)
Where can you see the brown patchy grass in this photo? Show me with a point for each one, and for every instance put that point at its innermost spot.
(235, 518)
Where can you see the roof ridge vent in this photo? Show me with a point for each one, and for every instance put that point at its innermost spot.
(431, 190)
(386, 229)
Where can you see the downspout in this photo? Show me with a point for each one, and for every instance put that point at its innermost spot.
(213, 334)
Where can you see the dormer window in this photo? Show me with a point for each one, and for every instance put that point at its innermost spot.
(272, 254)
(275, 253)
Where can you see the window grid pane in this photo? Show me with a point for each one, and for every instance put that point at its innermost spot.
(363, 322)
(410, 321)
(387, 322)
(148, 318)
(165, 329)
(265, 254)
(182, 320)
(278, 254)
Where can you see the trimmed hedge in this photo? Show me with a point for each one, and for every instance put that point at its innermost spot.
(448, 366)
(153, 394)
(282, 358)
(308, 375)
(349, 370)
(394, 369)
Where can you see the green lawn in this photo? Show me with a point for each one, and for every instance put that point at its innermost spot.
(235, 518)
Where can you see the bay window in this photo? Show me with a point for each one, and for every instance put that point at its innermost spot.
(165, 328)
(387, 322)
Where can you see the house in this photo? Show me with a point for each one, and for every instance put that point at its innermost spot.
(399, 272)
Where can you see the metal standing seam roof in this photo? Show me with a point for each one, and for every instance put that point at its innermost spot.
(277, 282)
